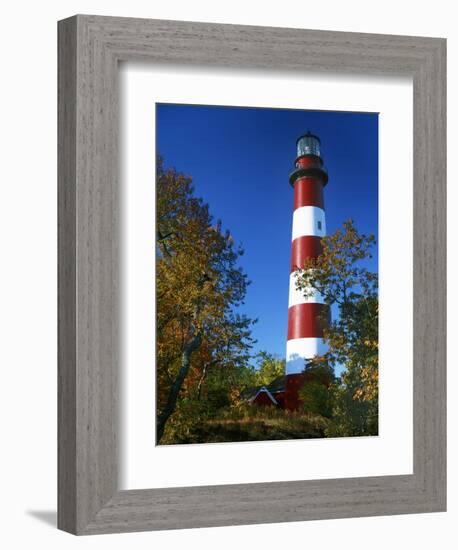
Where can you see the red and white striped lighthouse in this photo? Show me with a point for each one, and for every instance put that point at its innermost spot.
(305, 314)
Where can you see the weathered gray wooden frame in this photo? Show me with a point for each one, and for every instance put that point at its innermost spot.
(90, 48)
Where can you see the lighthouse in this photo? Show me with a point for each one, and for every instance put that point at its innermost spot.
(305, 313)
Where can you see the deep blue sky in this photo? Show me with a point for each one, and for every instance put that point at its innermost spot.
(240, 158)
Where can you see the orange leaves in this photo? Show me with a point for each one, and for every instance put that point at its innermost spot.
(342, 278)
(198, 288)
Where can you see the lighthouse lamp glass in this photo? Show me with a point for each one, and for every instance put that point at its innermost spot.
(308, 145)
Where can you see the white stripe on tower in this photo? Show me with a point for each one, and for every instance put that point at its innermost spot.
(299, 349)
(299, 296)
(309, 221)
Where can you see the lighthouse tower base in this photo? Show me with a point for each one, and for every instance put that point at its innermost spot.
(293, 384)
(299, 352)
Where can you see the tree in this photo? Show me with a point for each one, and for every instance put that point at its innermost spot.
(315, 394)
(269, 368)
(342, 279)
(199, 287)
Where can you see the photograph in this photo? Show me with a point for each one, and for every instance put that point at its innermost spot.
(266, 274)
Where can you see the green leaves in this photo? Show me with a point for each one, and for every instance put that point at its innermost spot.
(338, 274)
(269, 368)
(199, 287)
(203, 344)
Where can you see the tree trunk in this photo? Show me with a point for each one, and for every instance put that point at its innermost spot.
(202, 378)
(176, 386)
(201, 381)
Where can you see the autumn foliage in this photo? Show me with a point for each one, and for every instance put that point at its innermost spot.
(340, 275)
(202, 341)
(205, 365)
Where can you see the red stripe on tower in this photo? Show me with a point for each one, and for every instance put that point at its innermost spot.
(308, 192)
(307, 320)
(307, 315)
(304, 247)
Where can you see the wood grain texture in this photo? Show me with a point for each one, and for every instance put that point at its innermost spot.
(90, 48)
(67, 133)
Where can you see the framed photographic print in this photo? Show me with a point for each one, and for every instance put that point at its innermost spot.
(251, 275)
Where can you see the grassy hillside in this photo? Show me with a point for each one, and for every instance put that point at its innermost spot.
(251, 424)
